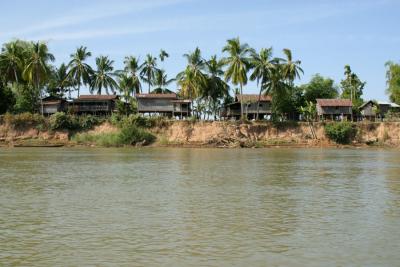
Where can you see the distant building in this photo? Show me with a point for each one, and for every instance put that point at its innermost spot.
(377, 109)
(250, 102)
(334, 109)
(164, 104)
(53, 104)
(94, 104)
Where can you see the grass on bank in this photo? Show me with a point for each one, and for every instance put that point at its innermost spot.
(128, 135)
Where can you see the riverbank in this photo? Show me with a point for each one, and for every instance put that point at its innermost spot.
(223, 134)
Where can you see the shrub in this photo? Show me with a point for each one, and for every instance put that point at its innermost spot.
(24, 120)
(129, 135)
(60, 120)
(341, 132)
(88, 122)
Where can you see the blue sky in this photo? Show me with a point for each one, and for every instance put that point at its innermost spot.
(324, 35)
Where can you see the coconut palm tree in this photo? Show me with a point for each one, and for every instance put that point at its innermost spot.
(11, 61)
(161, 81)
(148, 70)
(238, 64)
(131, 68)
(217, 88)
(262, 67)
(192, 80)
(61, 82)
(80, 71)
(291, 69)
(103, 76)
(125, 84)
(37, 69)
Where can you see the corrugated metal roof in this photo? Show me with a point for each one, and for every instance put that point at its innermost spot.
(168, 96)
(252, 98)
(334, 102)
(97, 97)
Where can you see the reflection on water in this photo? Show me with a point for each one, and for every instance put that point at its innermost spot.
(181, 207)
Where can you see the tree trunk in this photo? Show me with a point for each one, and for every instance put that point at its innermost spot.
(258, 103)
(79, 88)
(241, 101)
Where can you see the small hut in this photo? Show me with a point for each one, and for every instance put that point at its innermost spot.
(250, 102)
(94, 104)
(377, 109)
(334, 109)
(164, 104)
(53, 104)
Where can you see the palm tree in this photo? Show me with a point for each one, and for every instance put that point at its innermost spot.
(291, 69)
(276, 85)
(262, 67)
(238, 64)
(217, 88)
(103, 76)
(125, 83)
(61, 81)
(148, 70)
(131, 68)
(11, 61)
(161, 81)
(79, 71)
(37, 70)
(192, 80)
(163, 55)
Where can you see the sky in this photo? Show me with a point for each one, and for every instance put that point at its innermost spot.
(325, 35)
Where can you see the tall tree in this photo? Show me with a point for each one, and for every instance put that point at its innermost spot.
(60, 82)
(319, 87)
(132, 68)
(393, 81)
(80, 71)
(262, 67)
(238, 64)
(352, 88)
(148, 70)
(161, 82)
(125, 83)
(37, 68)
(291, 68)
(192, 80)
(103, 76)
(11, 61)
(217, 88)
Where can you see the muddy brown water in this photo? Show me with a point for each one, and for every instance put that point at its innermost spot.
(199, 207)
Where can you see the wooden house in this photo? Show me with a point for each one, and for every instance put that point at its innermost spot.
(94, 104)
(164, 104)
(53, 104)
(335, 109)
(377, 109)
(250, 102)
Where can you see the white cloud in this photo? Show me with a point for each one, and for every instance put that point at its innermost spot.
(92, 13)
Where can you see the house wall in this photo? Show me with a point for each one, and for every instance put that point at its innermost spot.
(234, 110)
(368, 110)
(155, 105)
(51, 109)
(333, 110)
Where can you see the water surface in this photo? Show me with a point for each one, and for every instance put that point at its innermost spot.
(199, 207)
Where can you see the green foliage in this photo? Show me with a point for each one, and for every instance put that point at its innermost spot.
(340, 132)
(24, 120)
(393, 81)
(7, 99)
(319, 87)
(62, 121)
(309, 111)
(128, 135)
(139, 121)
(352, 88)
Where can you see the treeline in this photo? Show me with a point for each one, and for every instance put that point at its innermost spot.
(27, 74)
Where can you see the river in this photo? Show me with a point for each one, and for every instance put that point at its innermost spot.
(199, 207)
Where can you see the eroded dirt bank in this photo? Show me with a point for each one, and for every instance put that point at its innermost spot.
(221, 134)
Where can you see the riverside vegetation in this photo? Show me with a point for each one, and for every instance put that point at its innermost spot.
(27, 74)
